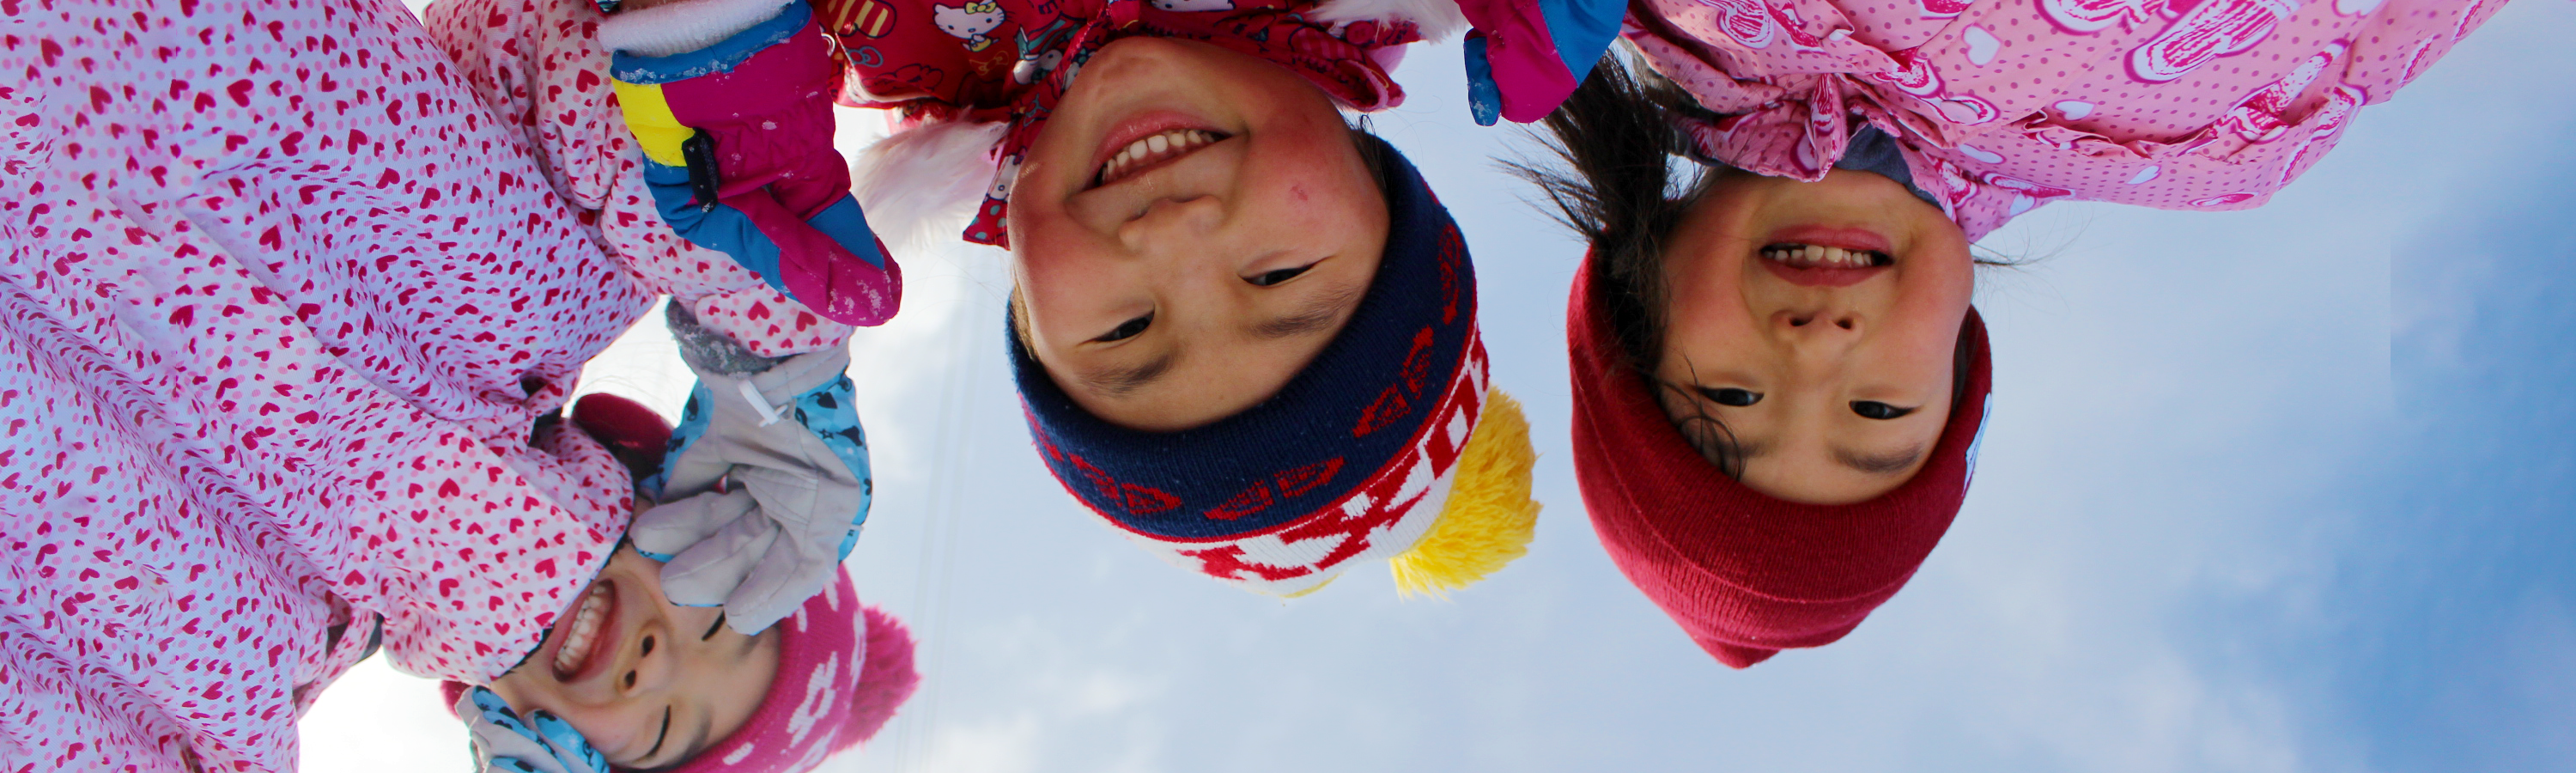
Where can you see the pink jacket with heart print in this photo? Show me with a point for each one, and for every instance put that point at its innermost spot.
(2004, 105)
(281, 306)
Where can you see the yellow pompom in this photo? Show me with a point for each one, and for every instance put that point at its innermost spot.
(1489, 517)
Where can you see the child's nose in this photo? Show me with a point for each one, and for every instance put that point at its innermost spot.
(1817, 324)
(650, 668)
(1816, 336)
(1177, 224)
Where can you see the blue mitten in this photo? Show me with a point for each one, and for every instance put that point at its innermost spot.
(505, 744)
(765, 486)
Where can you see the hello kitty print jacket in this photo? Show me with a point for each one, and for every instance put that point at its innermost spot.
(281, 306)
(2004, 105)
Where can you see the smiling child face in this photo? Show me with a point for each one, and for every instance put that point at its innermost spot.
(648, 683)
(1192, 226)
(1817, 322)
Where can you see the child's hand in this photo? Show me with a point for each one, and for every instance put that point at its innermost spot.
(504, 744)
(784, 439)
(737, 139)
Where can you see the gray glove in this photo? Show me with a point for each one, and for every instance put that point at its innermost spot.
(765, 485)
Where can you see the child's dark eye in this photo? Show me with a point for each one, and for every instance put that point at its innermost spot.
(1128, 329)
(1731, 396)
(1873, 409)
(1268, 278)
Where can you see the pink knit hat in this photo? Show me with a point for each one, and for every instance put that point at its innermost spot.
(843, 668)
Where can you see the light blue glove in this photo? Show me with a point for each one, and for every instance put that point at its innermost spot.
(504, 744)
(783, 436)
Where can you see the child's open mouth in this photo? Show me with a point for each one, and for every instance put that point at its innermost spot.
(1153, 149)
(581, 653)
(1820, 266)
(1827, 256)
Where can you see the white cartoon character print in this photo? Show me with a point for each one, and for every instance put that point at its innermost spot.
(1756, 24)
(1186, 6)
(1004, 176)
(2209, 30)
(1040, 53)
(969, 22)
(2263, 115)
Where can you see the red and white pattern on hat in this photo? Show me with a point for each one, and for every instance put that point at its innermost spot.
(1380, 518)
(2163, 103)
(843, 669)
(280, 302)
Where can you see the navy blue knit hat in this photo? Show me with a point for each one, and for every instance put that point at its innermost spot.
(1355, 457)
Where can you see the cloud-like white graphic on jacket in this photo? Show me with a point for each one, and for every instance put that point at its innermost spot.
(1982, 45)
(2026, 194)
(1003, 176)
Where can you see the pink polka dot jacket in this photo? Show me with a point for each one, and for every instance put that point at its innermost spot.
(284, 290)
(2003, 105)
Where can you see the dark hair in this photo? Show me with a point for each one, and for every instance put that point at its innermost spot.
(1365, 140)
(1622, 188)
(1627, 177)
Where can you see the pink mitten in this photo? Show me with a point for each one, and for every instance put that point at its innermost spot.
(737, 138)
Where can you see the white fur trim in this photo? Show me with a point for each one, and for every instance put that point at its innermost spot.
(682, 27)
(924, 183)
(1438, 19)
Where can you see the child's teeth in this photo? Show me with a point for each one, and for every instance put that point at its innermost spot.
(1806, 255)
(1151, 149)
(583, 632)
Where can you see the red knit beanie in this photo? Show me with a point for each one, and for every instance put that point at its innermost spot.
(1744, 573)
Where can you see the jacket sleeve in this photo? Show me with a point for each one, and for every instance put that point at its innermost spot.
(540, 67)
(737, 142)
(1525, 56)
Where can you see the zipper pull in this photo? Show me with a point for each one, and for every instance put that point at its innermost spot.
(699, 150)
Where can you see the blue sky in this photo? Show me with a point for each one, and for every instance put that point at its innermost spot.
(2455, 648)
(2280, 490)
